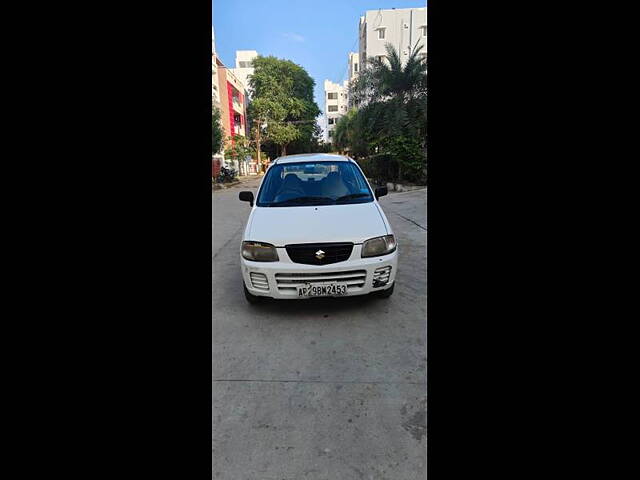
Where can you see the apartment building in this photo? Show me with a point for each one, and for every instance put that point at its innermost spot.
(401, 27)
(215, 89)
(232, 101)
(215, 102)
(229, 95)
(354, 65)
(336, 104)
(244, 66)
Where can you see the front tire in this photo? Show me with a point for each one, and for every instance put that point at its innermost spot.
(252, 299)
(386, 293)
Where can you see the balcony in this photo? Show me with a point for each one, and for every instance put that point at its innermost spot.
(237, 106)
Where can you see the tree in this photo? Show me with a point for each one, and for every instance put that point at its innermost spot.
(217, 131)
(238, 148)
(392, 118)
(309, 140)
(345, 131)
(263, 110)
(283, 134)
(282, 109)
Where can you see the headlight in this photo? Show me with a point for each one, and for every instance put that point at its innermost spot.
(259, 252)
(375, 247)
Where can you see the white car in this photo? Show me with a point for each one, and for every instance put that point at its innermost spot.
(316, 230)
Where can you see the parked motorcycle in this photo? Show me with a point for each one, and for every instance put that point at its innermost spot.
(226, 175)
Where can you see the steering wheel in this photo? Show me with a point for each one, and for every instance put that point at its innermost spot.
(289, 191)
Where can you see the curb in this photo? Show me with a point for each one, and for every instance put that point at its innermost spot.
(399, 187)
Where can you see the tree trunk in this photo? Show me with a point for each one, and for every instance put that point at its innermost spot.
(284, 150)
(258, 147)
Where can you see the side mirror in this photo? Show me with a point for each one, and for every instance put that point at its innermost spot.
(246, 197)
(381, 192)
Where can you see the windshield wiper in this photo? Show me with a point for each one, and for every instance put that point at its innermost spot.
(351, 196)
(303, 201)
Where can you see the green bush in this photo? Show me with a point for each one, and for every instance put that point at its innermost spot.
(407, 152)
(380, 168)
(385, 168)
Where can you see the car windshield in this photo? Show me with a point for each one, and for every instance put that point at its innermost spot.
(313, 183)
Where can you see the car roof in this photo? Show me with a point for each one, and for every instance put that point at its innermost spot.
(311, 157)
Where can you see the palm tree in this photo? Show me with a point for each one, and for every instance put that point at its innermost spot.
(393, 112)
(344, 130)
(401, 89)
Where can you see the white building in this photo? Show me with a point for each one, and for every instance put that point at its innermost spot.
(215, 86)
(336, 104)
(244, 66)
(401, 27)
(354, 65)
(215, 92)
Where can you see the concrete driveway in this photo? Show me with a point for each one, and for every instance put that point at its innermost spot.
(329, 389)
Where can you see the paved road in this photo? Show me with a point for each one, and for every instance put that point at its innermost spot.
(323, 388)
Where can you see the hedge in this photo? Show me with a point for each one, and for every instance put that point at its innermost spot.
(380, 168)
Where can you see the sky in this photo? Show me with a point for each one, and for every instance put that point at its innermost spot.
(317, 35)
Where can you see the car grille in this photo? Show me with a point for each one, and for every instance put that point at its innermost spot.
(288, 283)
(307, 253)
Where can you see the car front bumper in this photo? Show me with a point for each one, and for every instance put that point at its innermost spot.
(280, 279)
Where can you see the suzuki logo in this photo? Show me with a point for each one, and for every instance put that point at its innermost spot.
(319, 254)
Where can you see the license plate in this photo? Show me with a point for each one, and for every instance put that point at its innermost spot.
(323, 290)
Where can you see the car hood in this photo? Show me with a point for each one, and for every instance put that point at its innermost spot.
(281, 226)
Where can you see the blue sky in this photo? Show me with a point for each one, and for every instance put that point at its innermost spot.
(316, 34)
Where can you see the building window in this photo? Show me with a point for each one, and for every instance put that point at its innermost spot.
(333, 108)
(331, 121)
(330, 133)
(381, 33)
(332, 96)
(245, 64)
(355, 67)
(423, 30)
